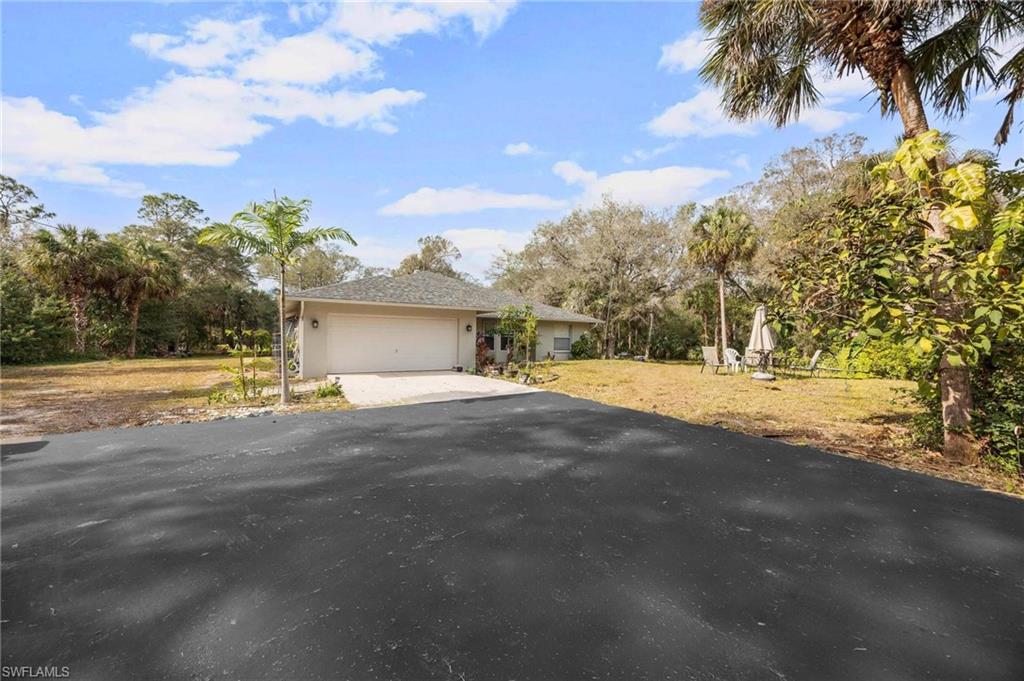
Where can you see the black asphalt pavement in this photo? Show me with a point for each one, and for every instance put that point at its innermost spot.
(528, 537)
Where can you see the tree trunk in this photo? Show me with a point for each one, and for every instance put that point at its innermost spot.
(609, 333)
(721, 315)
(134, 322)
(908, 102)
(285, 397)
(650, 333)
(954, 381)
(81, 321)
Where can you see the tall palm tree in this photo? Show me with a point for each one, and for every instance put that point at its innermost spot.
(274, 229)
(147, 272)
(74, 262)
(723, 237)
(765, 54)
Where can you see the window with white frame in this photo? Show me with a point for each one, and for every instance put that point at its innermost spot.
(562, 344)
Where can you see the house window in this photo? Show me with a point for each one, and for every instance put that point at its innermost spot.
(562, 344)
(505, 340)
(486, 327)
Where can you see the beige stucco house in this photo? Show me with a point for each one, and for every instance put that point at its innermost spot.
(417, 322)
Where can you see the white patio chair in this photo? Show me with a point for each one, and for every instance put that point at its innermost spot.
(733, 360)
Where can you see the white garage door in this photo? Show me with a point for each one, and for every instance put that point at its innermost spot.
(357, 343)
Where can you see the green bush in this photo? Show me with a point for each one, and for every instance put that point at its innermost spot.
(328, 391)
(33, 327)
(887, 359)
(585, 347)
(998, 391)
(999, 402)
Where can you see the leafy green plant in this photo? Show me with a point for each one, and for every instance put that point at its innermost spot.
(880, 272)
(1000, 395)
(585, 347)
(329, 390)
(33, 328)
(249, 347)
(520, 324)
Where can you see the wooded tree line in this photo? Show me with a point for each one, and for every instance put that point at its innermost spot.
(149, 288)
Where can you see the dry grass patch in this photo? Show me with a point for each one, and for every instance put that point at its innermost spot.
(866, 418)
(70, 397)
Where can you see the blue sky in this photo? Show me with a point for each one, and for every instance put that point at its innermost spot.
(473, 120)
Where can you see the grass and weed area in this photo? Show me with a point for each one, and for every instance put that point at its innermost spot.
(75, 396)
(866, 418)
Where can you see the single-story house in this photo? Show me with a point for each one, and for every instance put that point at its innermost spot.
(416, 322)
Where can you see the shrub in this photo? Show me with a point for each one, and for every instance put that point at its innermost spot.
(998, 391)
(999, 402)
(887, 359)
(33, 327)
(584, 347)
(328, 391)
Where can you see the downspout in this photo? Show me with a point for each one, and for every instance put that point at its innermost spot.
(301, 349)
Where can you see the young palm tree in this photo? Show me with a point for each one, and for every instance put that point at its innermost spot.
(75, 263)
(147, 272)
(722, 238)
(765, 53)
(274, 229)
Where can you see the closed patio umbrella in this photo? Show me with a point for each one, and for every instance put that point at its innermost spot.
(762, 340)
(762, 335)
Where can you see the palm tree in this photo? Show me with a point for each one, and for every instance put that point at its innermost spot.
(274, 229)
(75, 263)
(766, 52)
(723, 237)
(147, 272)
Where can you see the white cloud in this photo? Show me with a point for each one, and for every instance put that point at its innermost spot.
(703, 116)
(742, 161)
(834, 88)
(485, 16)
(239, 82)
(479, 246)
(700, 116)
(467, 199)
(657, 188)
(382, 23)
(573, 173)
(385, 23)
(519, 149)
(303, 11)
(185, 120)
(823, 119)
(382, 252)
(648, 154)
(685, 54)
(206, 44)
(311, 58)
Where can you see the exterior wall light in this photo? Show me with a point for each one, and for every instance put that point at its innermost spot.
(315, 324)
(469, 328)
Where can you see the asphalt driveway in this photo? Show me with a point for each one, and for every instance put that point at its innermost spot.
(527, 537)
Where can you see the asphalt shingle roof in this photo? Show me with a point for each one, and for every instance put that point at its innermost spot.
(428, 288)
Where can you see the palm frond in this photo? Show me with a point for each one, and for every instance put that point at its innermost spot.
(235, 235)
